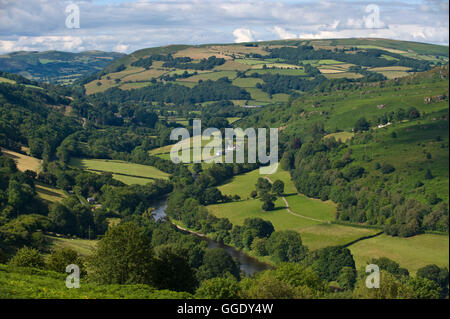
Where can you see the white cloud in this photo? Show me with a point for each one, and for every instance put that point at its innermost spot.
(133, 24)
(283, 34)
(243, 35)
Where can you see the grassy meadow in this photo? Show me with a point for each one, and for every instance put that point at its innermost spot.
(412, 252)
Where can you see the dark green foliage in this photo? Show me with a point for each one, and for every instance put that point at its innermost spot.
(361, 125)
(439, 276)
(329, 262)
(217, 263)
(387, 168)
(28, 257)
(123, 256)
(60, 259)
(172, 269)
(286, 246)
(278, 187)
(390, 266)
(219, 288)
(347, 278)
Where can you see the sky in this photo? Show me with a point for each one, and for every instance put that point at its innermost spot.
(128, 25)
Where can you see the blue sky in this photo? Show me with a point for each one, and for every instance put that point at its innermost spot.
(129, 25)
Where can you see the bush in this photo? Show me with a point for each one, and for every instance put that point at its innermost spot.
(60, 259)
(28, 257)
(387, 168)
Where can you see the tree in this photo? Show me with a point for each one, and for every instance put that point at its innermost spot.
(347, 278)
(362, 125)
(329, 262)
(60, 259)
(262, 228)
(267, 199)
(424, 288)
(197, 168)
(299, 276)
(286, 161)
(219, 288)
(428, 174)
(217, 263)
(123, 256)
(286, 246)
(390, 266)
(259, 246)
(28, 257)
(387, 168)
(172, 270)
(267, 286)
(390, 288)
(438, 275)
(278, 187)
(263, 185)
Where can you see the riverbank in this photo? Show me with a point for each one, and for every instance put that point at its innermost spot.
(258, 263)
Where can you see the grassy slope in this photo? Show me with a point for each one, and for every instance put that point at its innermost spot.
(412, 253)
(23, 162)
(30, 283)
(236, 60)
(84, 247)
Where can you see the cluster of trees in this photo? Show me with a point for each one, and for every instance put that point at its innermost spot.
(268, 192)
(179, 62)
(204, 91)
(186, 63)
(276, 83)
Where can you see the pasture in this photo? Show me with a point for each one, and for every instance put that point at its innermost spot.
(49, 193)
(128, 173)
(84, 247)
(23, 162)
(309, 217)
(411, 253)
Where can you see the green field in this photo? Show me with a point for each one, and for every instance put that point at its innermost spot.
(129, 173)
(342, 136)
(316, 232)
(49, 193)
(84, 247)
(411, 253)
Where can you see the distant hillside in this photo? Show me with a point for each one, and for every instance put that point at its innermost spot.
(266, 72)
(379, 150)
(56, 66)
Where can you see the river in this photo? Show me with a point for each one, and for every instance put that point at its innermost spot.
(248, 264)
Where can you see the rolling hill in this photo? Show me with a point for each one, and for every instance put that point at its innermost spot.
(254, 67)
(56, 66)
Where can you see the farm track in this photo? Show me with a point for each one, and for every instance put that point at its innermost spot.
(288, 209)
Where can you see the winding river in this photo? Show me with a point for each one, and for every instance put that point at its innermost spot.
(248, 265)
